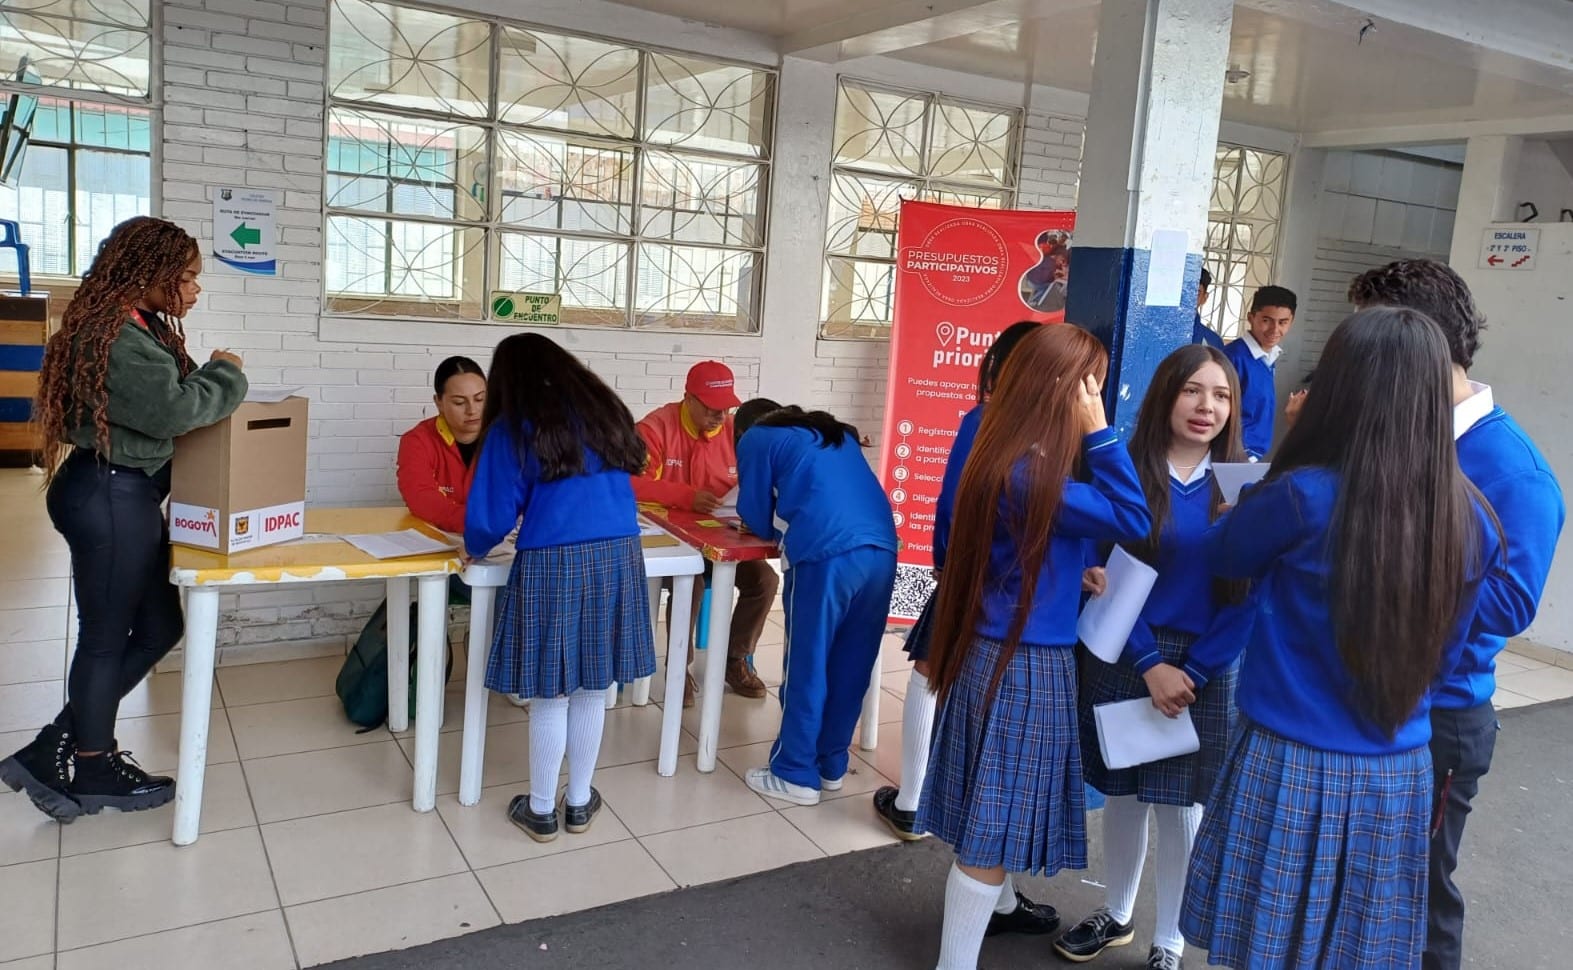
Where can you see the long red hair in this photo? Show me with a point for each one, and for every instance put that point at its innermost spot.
(1028, 445)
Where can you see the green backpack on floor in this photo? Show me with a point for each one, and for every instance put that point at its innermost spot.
(362, 684)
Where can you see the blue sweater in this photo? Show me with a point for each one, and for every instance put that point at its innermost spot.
(945, 508)
(1511, 473)
(1293, 681)
(1109, 508)
(1182, 597)
(1258, 398)
(1201, 333)
(829, 498)
(598, 504)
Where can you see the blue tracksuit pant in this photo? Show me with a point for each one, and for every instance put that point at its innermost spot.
(835, 620)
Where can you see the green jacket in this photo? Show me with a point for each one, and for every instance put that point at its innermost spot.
(150, 404)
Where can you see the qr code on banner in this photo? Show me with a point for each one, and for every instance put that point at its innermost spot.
(914, 585)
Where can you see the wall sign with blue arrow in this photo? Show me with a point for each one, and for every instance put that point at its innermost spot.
(245, 231)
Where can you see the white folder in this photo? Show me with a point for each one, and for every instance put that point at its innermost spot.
(1106, 621)
(1133, 732)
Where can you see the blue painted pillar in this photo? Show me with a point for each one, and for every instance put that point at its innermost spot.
(1146, 175)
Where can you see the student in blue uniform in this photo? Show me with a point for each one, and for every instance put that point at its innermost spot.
(898, 807)
(1004, 785)
(1201, 333)
(803, 481)
(1188, 420)
(1367, 548)
(557, 452)
(1255, 355)
(1501, 460)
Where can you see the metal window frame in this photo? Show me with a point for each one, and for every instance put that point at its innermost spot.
(493, 226)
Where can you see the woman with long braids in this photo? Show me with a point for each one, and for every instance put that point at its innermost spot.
(116, 388)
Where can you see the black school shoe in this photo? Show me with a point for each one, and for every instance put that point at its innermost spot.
(577, 818)
(1092, 936)
(1028, 918)
(904, 825)
(541, 828)
(43, 770)
(115, 780)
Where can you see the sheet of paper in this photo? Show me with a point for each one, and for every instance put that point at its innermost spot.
(397, 545)
(1133, 732)
(269, 395)
(1235, 475)
(1166, 267)
(649, 529)
(1106, 621)
(728, 506)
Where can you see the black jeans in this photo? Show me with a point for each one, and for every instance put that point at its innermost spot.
(129, 613)
(1462, 743)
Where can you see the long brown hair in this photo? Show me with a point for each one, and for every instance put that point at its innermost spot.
(1404, 537)
(1028, 445)
(1155, 432)
(140, 255)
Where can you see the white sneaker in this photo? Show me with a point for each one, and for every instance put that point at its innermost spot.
(518, 700)
(765, 782)
(831, 784)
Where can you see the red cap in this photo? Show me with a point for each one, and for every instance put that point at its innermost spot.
(711, 382)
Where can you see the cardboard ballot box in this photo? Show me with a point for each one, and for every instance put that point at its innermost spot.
(241, 484)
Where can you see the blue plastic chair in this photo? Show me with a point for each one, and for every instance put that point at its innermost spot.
(11, 238)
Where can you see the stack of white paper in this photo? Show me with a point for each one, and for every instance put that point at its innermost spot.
(396, 545)
(1235, 475)
(1133, 732)
(258, 394)
(728, 507)
(1106, 621)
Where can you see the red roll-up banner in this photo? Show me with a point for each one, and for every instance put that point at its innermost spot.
(962, 276)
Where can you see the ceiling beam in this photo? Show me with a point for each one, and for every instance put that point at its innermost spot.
(896, 25)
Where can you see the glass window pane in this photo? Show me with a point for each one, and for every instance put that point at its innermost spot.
(40, 202)
(394, 267)
(409, 58)
(977, 198)
(52, 120)
(109, 126)
(117, 13)
(688, 287)
(591, 275)
(567, 83)
(858, 297)
(702, 105)
(972, 144)
(76, 53)
(863, 214)
(551, 182)
(693, 199)
(422, 168)
(110, 188)
(881, 131)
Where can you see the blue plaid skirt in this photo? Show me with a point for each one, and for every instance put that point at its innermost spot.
(1186, 780)
(574, 617)
(917, 643)
(1311, 859)
(1004, 781)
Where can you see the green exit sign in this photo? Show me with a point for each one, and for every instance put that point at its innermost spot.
(537, 308)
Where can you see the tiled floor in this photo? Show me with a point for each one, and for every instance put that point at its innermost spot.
(310, 851)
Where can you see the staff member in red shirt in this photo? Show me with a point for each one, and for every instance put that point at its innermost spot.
(435, 455)
(693, 465)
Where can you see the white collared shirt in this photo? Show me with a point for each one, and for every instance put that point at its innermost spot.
(1196, 474)
(1473, 409)
(1271, 356)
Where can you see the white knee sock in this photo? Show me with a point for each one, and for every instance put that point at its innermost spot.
(1006, 904)
(1124, 851)
(586, 720)
(1176, 835)
(548, 739)
(968, 906)
(917, 724)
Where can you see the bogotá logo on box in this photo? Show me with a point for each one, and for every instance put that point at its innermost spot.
(207, 525)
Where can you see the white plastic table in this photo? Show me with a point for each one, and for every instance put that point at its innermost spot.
(317, 559)
(664, 558)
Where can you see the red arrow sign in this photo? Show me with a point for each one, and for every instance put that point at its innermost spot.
(1494, 260)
